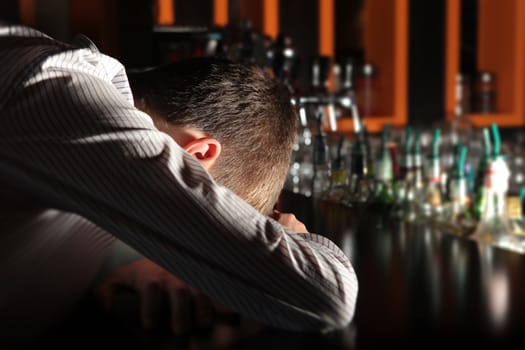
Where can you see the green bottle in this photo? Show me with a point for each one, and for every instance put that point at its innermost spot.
(477, 207)
(494, 226)
(458, 219)
(404, 178)
(431, 205)
(383, 194)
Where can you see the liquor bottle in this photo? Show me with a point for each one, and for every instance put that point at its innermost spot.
(418, 178)
(370, 159)
(484, 160)
(383, 194)
(494, 226)
(366, 89)
(414, 180)
(431, 205)
(346, 93)
(404, 178)
(458, 219)
(283, 60)
(460, 125)
(321, 162)
(338, 178)
(406, 165)
(360, 187)
(485, 93)
(300, 172)
(452, 171)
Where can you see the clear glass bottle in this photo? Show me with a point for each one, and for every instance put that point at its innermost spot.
(432, 199)
(485, 93)
(321, 162)
(338, 178)
(452, 171)
(383, 194)
(413, 180)
(347, 89)
(366, 89)
(457, 218)
(460, 126)
(404, 179)
(484, 160)
(494, 226)
(360, 186)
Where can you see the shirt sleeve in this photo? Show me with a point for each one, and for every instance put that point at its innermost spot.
(70, 135)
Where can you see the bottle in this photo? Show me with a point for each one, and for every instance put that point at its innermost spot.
(338, 178)
(300, 171)
(383, 195)
(453, 171)
(346, 94)
(406, 166)
(460, 125)
(484, 160)
(419, 173)
(485, 93)
(431, 205)
(360, 188)
(366, 89)
(494, 226)
(413, 180)
(404, 178)
(458, 219)
(319, 75)
(370, 159)
(321, 163)
(283, 61)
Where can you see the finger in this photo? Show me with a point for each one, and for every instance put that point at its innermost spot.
(181, 310)
(150, 305)
(290, 221)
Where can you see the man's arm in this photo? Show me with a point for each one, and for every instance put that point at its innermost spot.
(69, 135)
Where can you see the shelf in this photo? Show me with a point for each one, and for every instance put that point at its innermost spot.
(386, 45)
(500, 49)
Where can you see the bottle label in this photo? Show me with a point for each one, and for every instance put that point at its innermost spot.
(514, 207)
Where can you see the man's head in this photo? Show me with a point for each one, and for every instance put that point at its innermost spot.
(238, 121)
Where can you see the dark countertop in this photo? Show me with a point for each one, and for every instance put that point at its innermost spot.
(417, 287)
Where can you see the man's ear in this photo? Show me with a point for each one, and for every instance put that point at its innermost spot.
(205, 149)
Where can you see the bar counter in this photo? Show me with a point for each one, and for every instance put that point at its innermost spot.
(418, 287)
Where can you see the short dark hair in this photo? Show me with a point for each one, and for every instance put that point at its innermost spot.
(247, 110)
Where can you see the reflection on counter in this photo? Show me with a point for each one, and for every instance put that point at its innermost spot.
(417, 283)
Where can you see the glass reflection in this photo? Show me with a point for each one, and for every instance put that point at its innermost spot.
(495, 282)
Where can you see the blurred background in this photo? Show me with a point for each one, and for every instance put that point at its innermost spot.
(453, 65)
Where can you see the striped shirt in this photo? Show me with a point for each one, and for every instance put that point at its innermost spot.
(71, 137)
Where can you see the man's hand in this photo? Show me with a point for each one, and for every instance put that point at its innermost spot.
(289, 220)
(188, 308)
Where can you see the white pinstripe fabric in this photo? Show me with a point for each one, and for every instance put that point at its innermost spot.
(69, 135)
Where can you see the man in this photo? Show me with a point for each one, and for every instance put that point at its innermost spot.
(71, 139)
(196, 103)
(201, 125)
